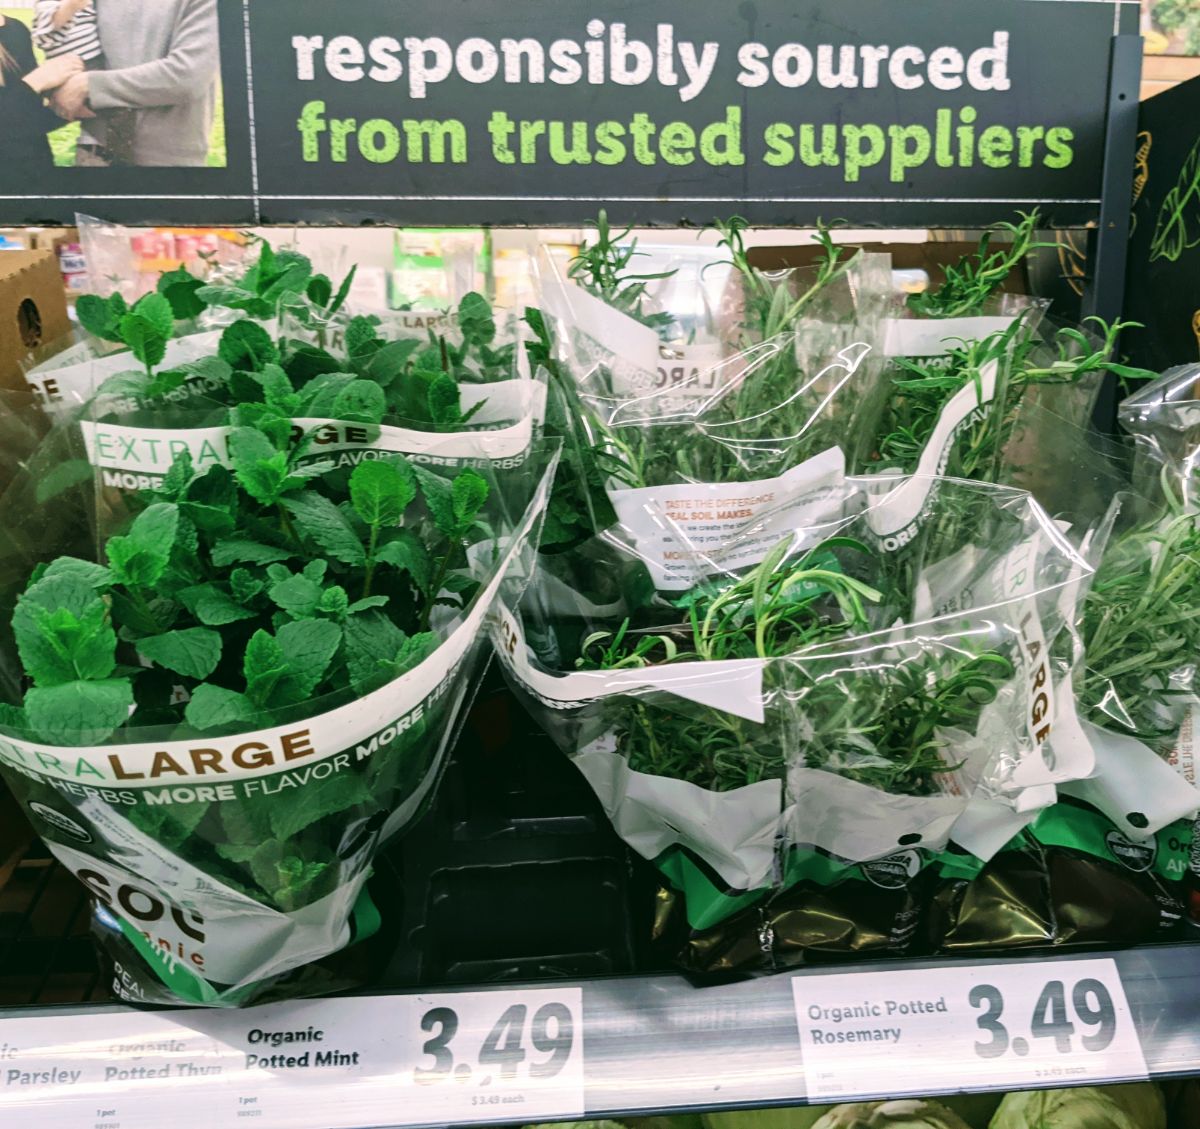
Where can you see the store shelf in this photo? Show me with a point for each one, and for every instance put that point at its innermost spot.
(650, 1044)
(503, 828)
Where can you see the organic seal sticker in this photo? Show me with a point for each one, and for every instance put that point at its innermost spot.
(1135, 856)
(894, 872)
(60, 822)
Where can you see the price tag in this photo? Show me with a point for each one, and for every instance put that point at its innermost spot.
(1000, 1025)
(510, 1056)
(505, 1056)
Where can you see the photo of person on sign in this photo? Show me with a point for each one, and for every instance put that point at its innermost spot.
(24, 86)
(140, 77)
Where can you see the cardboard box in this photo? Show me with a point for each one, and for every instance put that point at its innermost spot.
(928, 257)
(33, 309)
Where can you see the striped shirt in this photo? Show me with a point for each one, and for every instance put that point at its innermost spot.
(79, 36)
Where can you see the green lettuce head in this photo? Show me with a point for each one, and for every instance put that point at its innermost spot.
(903, 1113)
(1136, 1105)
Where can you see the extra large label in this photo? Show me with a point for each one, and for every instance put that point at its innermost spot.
(138, 457)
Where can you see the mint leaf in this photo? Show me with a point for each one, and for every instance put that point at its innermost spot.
(309, 645)
(301, 807)
(318, 519)
(381, 491)
(445, 407)
(62, 630)
(94, 575)
(85, 646)
(101, 317)
(307, 362)
(234, 549)
(390, 362)
(297, 595)
(475, 320)
(407, 552)
(60, 479)
(287, 881)
(212, 605)
(263, 665)
(360, 401)
(290, 274)
(437, 494)
(247, 346)
(361, 335)
(410, 397)
(315, 570)
(343, 292)
(214, 707)
(147, 328)
(319, 290)
(278, 393)
(286, 668)
(169, 826)
(364, 603)
(244, 823)
(193, 651)
(230, 297)
(321, 393)
(372, 641)
(335, 602)
(259, 275)
(179, 288)
(140, 557)
(261, 470)
(244, 585)
(377, 650)
(176, 479)
(414, 650)
(468, 495)
(79, 713)
(211, 501)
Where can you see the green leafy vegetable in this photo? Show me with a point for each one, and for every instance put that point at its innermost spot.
(102, 317)
(976, 277)
(180, 287)
(192, 651)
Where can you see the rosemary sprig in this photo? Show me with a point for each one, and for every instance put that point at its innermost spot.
(921, 388)
(1141, 628)
(602, 267)
(777, 607)
(775, 301)
(874, 722)
(968, 284)
(878, 724)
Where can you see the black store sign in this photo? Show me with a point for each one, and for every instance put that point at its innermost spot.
(527, 112)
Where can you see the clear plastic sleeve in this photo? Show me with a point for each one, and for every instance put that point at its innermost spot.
(1140, 687)
(1164, 419)
(951, 388)
(472, 341)
(829, 694)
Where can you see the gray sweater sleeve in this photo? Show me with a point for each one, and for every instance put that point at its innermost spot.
(185, 73)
